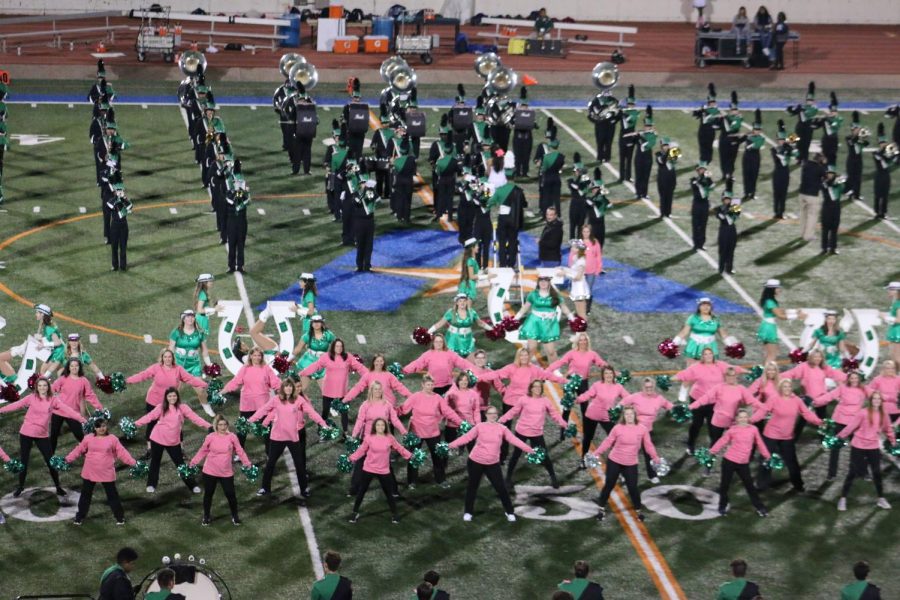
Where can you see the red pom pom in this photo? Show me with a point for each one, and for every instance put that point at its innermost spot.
(9, 393)
(798, 355)
(281, 364)
(32, 381)
(735, 351)
(358, 356)
(849, 364)
(510, 323)
(578, 324)
(104, 384)
(212, 370)
(496, 333)
(421, 336)
(668, 348)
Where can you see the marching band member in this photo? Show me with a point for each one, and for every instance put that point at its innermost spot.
(832, 191)
(730, 137)
(643, 159)
(782, 156)
(753, 143)
(603, 112)
(727, 213)
(666, 174)
(701, 185)
(628, 118)
(856, 143)
(217, 453)
(598, 204)
(831, 124)
(577, 203)
(403, 172)
(806, 120)
(710, 120)
(885, 161)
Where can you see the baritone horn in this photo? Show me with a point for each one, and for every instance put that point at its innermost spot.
(793, 138)
(192, 63)
(605, 76)
(304, 74)
(288, 61)
(486, 63)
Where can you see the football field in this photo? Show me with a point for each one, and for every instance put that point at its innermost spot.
(52, 251)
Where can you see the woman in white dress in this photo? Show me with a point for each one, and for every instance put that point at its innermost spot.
(581, 291)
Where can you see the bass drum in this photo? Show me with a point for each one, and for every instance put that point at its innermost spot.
(192, 580)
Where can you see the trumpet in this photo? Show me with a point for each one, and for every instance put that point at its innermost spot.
(674, 153)
(793, 138)
(891, 150)
(863, 133)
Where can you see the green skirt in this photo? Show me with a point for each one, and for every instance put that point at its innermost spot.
(203, 323)
(694, 349)
(308, 358)
(191, 364)
(893, 335)
(58, 355)
(767, 333)
(539, 328)
(469, 288)
(461, 343)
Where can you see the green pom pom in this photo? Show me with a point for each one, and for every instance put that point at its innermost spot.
(58, 463)
(442, 450)
(615, 412)
(126, 424)
(344, 464)
(828, 428)
(352, 444)
(572, 385)
(117, 380)
(396, 369)
(411, 440)
(417, 459)
(14, 466)
(775, 463)
(341, 407)
(663, 382)
(251, 473)
(568, 401)
(186, 471)
(623, 377)
(753, 374)
(538, 456)
(260, 430)
(216, 399)
(330, 433)
(830, 442)
(87, 427)
(892, 450)
(242, 426)
(214, 385)
(140, 470)
(465, 427)
(473, 379)
(571, 431)
(704, 457)
(681, 413)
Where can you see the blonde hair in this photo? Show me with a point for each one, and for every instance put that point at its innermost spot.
(220, 418)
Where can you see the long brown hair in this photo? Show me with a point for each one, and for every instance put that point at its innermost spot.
(331, 349)
(282, 395)
(202, 285)
(870, 410)
(165, 404)
(468, 252)
(375, 424)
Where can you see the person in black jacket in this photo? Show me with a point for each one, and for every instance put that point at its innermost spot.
(855, 146)
(832, 190)
(551, 164)
(403, 172)
(782, 156)
(577, 204)
(523, 139)
(811, 175)
(237, 198)
(432, 577)
(114, 583)
(580, 587)
(701, 184)
(356, 118)
(710, 120)
(550, 242)
(727, 213)
(119, 207)
(511, 201)
(884, 163)
(861, 589)
(643, 158)
(165, 578)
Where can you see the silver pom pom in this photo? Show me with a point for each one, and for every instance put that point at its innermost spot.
(591, 461)
(662, 467)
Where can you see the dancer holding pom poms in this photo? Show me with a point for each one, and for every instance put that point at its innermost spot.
(256, 381)
(532, 410)
(216, 454)
(740, 440)
(865, 453)
(376, 448)
(74, 389)
(601, 397)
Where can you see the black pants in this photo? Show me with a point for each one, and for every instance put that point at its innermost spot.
(626, 151)
(500, 135)
(859, 461)
(643, 166)
(534, 442)
(727, 246)
(175, 453)
(209, 490)
(465, 215)
(402, 193)
(743, 471)
(364, 233)
(788, 452)
(383, 185)
(665, 187)
(630, 473)
(750, 170)
(603, 135)
(830, 148)
(118, 240)
(781, 177)
(507, 243)
(699, 416)
(854, 174)
(483, 231)
(56, 423)
(581, 389)
(346, 204)
(326, 412)
(43, 446)
(831, 220)
(412, 473)
(779, 56)
(577, 216)
(821, 412)
(355, 145)
(112, 498)
(589, 427)
(147, 409)
(287, 136)
(237, 237)
(727, 154)
(242, 438)
(276, 449)
(443, 196)
(550, 194)
(705, 138)
(598, 226)
(522, 143)
(387, 486)
(495, 476)
(882, 191)
(356, 479)
(805, 132)
(834, 458)
(699, 217)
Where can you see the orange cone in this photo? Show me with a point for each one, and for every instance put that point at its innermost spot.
(529, 80)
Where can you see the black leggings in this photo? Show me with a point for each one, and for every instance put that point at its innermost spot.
(326, 412)
(43, 445)
(209, 489)
(242, 438)
(630, 472)
(859, 460)
(699, 416)
(387, 486)
(788, 452)
(56, 423)
(276, 449)
(581, 389)
(743, 471)
(147, 409)
(494, 475)
(821, 412)
(412, 473)
(590, 427)
(175, 453)
(112, 498)
(534, 442)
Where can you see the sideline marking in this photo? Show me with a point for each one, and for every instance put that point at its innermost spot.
(261, 211)
(148, 339)
(173, 210)
(306, 212)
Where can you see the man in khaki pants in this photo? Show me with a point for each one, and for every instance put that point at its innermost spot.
(811, 175)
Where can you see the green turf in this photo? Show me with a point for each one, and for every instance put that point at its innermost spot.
(67, 267)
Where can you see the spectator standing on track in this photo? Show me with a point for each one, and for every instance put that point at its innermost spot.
(781, 32)
(550, 243)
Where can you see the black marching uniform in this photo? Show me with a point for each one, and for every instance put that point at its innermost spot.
(832, 190)
(666, 179)
(831, 124)
(782, 157)
(727, 214)
(854, 166)
(730, 137)
(403, 171)
(598, 204)
(364, 202)
(305, 121)
(119, 209)
(511, 200)
(700, 186)
(478, 196)
(643, 159)
(237, 199)
(577, 203)
(628, 119)
(381, 146)
(883, 167)
(551, 164)
(603, 111)
(750, 161)
(524, 124)
(356, 116)
(710, 120)
(279, 104)
(806, 121)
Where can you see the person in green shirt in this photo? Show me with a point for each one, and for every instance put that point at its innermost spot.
(767, 333)
(202, 301)
(114, 582)
(580, 587)
(543, 24)
(738, 588)
(860, 589)
(460, 320)
(893, 317)
(830, 340)
(332, 586)
(165, 578)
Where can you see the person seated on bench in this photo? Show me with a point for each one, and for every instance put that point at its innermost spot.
(543, 24)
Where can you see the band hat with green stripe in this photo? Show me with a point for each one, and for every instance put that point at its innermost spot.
(702, 165)
(664, 141)
(831, 169)
(43, 309)
(204, 277)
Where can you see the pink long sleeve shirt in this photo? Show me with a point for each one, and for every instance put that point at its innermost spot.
(427, 411)
(164, 378)
(37, 415)
(466, 403)
(626, 442)
(532, 411)
(369, 412)
(337, 373)
(100, 454)
(218, 450)
(784, 413)
(850, 402)
(4, 456)
(601, 397)
(726, 399)
(519, 379)
(703, 377)
(813, 378)
(593, 258)
(257, 383)
(73, 391)
(647, 407)
(390, 386)
(889, 388)
(740, 440)
(764, 389)
(439, 364)
(287, 418)
(489, 438)
(377, 450)
(866, 434)
(484, 385)
(578, 362)
(168, 426)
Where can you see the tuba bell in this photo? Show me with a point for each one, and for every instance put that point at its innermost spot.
(486, 63)
(390, 65)
(288, 61)
(402, 79)
(891, 150)
(605, 76)
(864, 133)
(192, 63)
(305, 74)
(502, 81)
